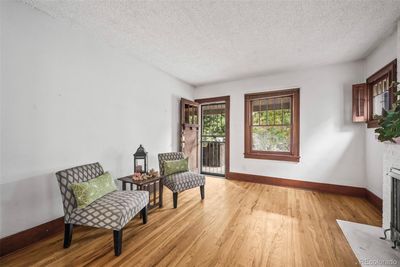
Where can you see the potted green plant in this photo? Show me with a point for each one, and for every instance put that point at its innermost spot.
(389, 124)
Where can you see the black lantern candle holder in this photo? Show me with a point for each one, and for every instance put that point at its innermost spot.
(140, 160)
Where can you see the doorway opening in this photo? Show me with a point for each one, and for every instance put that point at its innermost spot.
(214, 136)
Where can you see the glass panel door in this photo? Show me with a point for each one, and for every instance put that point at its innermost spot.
(213, 139)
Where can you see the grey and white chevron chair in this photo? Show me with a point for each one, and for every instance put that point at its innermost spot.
(180, 181)
(112, 211)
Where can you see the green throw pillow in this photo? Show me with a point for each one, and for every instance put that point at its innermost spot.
(174, 166)
(87, 192)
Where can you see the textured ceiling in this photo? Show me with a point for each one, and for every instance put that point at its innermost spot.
(209, 41)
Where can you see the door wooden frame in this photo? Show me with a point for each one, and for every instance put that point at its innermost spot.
(227, 100)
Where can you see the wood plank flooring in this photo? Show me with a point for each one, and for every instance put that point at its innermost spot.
(238, 224)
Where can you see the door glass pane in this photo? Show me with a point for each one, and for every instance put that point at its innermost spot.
(190, 114)
(195, 116)
(186, 113)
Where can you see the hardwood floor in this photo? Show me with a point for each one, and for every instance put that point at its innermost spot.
(238, 224)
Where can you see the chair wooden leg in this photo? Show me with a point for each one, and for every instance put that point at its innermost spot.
(202, 191)
(143, 212)
(68, 234)
(175, 198)
(160, 195)
(117, 242)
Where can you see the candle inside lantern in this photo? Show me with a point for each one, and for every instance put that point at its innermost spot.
(138, 168)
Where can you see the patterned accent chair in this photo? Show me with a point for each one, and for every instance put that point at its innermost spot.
(112, 211)
(181, 181)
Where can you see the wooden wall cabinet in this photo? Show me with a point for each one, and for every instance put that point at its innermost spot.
(360, 99)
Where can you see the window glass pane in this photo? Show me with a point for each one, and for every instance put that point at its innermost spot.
(381, 100)
(270, 111)
(270, 117)
(256, 118)
(375, 90)
(286, 102)
(286, 110)
(263, 104)
(271, 104)
(255, 107)
(271, 138)
(278, 111)
(263, 112)
(263, 117)
(287, 117)
(278, 117)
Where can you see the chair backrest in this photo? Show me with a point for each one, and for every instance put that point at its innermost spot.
(75, 175)
(168, 156)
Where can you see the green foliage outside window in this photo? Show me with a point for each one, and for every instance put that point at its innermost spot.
(390, 122)
(271, 138)
(271, 130)
(214, 124)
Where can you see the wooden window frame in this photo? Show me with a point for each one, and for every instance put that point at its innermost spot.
(389, 70)
(294, 154)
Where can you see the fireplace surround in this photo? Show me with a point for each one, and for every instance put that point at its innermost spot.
(394, 208)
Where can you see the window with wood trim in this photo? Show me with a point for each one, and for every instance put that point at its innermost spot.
(272, 125)
(381, 92)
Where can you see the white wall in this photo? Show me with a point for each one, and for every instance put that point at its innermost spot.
(382, 55)
(331, 146)
(69, 99)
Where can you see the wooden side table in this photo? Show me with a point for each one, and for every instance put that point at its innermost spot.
(146, 185)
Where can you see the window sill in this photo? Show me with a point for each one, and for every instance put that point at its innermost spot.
(281, 157)
(373, 124)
